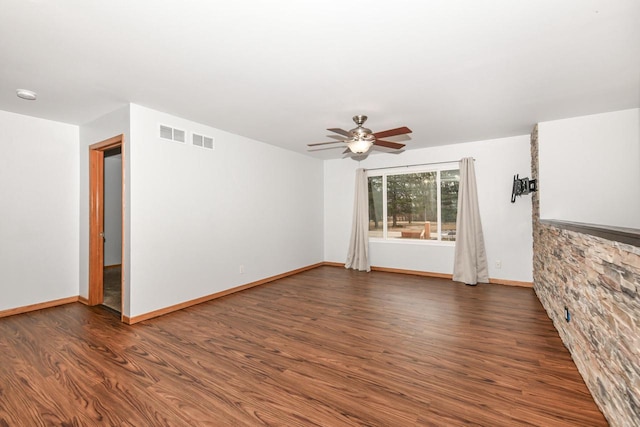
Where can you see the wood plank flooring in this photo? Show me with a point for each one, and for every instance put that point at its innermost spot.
(327, 347)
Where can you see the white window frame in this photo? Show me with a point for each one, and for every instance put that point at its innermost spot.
(438, 168)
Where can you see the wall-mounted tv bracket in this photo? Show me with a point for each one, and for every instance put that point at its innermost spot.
(522, 186)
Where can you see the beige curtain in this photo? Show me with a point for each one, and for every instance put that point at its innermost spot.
(358, 255)
(470, 263)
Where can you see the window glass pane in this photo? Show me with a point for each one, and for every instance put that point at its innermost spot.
(375, 206)
(449, 181)
(412, 211)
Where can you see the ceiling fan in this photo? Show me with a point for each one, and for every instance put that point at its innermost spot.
(360, 139)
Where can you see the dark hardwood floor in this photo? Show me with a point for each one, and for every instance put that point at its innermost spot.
(326, 347)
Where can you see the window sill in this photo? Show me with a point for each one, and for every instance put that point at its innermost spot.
(412, 242)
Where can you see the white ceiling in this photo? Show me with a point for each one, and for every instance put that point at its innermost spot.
(283, 71)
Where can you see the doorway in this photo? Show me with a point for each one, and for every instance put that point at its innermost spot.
(105, 260)
(112, 272)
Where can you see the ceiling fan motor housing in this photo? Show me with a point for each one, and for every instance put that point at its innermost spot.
(361, 133)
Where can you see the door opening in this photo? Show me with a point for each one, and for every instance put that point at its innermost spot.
(112, 272)
(97, 154)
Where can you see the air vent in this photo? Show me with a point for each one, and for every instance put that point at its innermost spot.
(202, 141)
(172, 134)
(166, 132)
(178, 135)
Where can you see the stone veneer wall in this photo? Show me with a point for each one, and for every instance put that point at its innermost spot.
(599, 282)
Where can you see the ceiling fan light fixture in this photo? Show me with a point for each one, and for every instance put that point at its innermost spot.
(360, 145)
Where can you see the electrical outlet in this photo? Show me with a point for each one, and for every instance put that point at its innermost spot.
(241, 269)
(498, 264)
(567, 314)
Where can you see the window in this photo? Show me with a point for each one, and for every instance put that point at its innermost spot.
(415, 204)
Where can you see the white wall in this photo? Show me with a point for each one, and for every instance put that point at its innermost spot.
(197, 215)
(507, 226)
(590, 169)
(39, 197)
(100, 129)
(113, 210)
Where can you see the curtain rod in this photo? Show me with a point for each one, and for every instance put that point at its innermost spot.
(417, 164)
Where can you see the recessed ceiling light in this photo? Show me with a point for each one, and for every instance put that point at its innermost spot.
(29, 95)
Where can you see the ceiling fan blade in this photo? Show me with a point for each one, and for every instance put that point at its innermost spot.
(346, 151)
(325, 143)
(392, 132)
(340, 131)
(388, 144)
